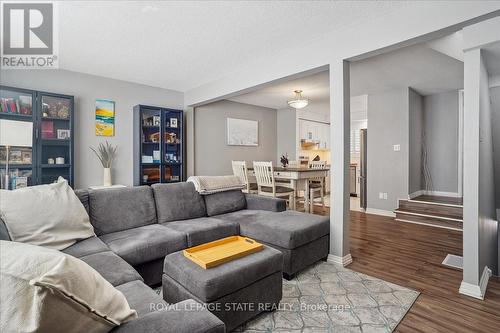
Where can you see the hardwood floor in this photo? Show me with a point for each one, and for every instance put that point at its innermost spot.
(440, 199)
(411, 255)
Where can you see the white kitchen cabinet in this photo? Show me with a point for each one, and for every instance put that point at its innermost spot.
(315, 131)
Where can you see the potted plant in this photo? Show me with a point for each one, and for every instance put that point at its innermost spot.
(106, 154)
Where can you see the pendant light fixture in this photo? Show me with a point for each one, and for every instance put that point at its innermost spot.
(298, 102)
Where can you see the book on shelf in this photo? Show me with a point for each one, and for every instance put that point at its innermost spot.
(47, 130)
(21, 105)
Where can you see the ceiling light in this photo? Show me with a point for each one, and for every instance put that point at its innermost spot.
(298, 102)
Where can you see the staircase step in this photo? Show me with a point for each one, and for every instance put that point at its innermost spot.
(431, 208)
(430, 220)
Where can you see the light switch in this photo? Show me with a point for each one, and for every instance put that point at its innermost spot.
(397, 147)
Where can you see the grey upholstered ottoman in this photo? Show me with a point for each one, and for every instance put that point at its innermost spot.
(235, 291)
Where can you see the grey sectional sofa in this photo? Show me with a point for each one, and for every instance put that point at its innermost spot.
(137, 227)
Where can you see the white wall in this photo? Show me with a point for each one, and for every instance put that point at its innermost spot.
(487, 210)
(387, 170)
(86, 89)
(480, 242)
(212, 155)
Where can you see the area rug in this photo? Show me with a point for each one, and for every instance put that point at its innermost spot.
(330, 298)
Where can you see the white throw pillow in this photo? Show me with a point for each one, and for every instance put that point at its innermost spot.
(44, 290)
(47, 215)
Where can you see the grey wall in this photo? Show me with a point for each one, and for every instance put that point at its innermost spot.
(416, 128)
(387, 170)
(86, 89)
(212, 155)
(488, 243)
(495, 115)
(286, 133)
(441, 132)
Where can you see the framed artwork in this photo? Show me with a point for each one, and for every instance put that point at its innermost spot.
(26, 156)
(173, 122)
(242, 132)
(104, 117)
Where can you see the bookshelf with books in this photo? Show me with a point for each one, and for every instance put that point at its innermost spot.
(51, 154)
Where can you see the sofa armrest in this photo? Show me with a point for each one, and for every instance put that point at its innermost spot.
(258, 202)
(183, 317)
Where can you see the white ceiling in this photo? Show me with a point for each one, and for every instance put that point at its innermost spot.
(315, 87)
(420, 67)
(181, 45)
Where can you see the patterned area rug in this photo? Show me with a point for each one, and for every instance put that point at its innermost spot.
(330, 298)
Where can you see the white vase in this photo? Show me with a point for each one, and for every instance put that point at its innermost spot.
(107, 177)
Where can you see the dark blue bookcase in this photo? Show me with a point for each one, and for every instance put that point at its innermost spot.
(158, 145)
(52, 116)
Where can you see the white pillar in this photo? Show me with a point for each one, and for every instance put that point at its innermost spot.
(340, 156)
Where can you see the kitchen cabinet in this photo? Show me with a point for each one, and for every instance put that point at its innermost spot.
(314, 131)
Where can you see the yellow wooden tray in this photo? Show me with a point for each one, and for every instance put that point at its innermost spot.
(221, 251)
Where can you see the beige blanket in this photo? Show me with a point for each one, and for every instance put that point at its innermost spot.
(214, 184)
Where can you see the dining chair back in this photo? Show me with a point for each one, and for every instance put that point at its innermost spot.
(240, 171)
(264, 174)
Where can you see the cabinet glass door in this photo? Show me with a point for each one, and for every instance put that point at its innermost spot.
(151, 146)
(16, 143)
(55, 137)
(172, 147)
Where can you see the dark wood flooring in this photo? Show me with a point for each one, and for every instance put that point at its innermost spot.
(410, 255)
(439, 199)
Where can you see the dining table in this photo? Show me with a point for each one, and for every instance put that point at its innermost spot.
(299, 178)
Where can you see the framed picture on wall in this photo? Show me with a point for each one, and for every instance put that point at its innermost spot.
(104, 117)
(242, 132)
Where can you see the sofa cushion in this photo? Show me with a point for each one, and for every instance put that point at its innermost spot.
(143, 244)
(45, 290)
(247, 215)
(47, 215)
(113, 268)
(224, 202)
(178, 201)
(141, 298)
(83, 195)
(4, 233)
(119, 209)
(204, 229)
(211, 284)
(85, 247)
(184, 317)
(288, 229)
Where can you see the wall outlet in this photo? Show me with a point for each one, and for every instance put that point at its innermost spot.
(385, 196)
(397, 147)
(382, 195)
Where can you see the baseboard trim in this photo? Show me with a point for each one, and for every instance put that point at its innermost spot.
(344, 261)
(428, 224)
(436, 193)
(415, 194)
(380, 212)
(473, 290)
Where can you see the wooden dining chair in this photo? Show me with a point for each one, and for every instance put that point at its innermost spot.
(240, 170)
(316, 185)
(266, 185)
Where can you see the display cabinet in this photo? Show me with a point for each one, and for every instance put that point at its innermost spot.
(158, 145)
(51, 152)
